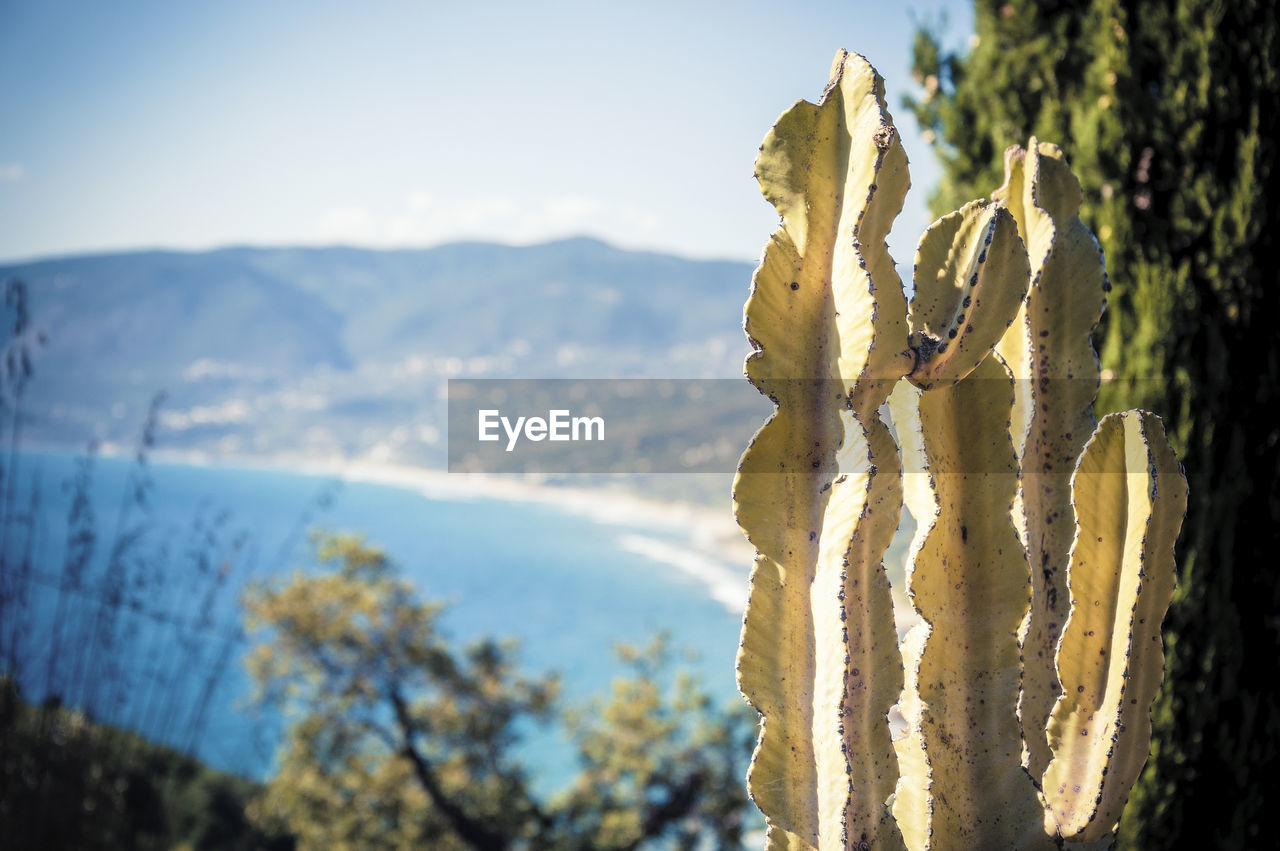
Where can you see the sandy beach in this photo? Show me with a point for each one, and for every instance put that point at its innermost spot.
(702, 542)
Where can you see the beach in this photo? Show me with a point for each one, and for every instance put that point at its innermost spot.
(703, 542)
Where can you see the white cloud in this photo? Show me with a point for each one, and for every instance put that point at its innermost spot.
(636, 219)
(348, 224)
(207, 368)
(229, 412)
(11, 172)
(572, 209)
(425, 219)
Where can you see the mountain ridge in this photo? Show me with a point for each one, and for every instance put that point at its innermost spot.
(342, 350)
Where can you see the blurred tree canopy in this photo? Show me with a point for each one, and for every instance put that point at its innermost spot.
(67, 782)
(1168, 111)
(399, 739)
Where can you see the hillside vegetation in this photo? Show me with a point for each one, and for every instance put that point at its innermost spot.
(343, 351)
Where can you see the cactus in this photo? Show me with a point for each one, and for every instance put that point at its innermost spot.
(1042, 564)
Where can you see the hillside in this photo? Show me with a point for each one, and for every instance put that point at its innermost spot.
(69, 782)
(344, 351)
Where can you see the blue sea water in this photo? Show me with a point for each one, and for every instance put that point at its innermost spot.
(189, 537)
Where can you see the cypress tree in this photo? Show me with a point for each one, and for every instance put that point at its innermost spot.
(1168, 110)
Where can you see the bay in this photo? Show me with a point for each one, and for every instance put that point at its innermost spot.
(568, 587)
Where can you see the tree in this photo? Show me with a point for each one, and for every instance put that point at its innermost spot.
(68, 782)
(1169, 111)
(399, 739)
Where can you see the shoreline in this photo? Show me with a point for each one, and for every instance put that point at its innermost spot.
(711, 550)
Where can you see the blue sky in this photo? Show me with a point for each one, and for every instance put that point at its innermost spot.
(193, 125)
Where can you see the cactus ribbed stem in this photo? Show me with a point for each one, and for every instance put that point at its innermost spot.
(1041, 566)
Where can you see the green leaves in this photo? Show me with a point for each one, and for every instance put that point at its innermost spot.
(401, 739)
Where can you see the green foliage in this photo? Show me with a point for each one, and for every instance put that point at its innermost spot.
(1170, 111)
(66, 782)
(658, 760)
(400, 739)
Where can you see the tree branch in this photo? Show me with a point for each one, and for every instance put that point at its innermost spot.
(682, 801)
(474, 833)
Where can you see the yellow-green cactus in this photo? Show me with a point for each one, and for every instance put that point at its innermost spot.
(970, 279)
(1129, 495)
(1049, 350)
(819, 492)
(968, 581)
(997, 402)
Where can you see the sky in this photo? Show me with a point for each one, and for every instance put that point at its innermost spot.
(394, 124)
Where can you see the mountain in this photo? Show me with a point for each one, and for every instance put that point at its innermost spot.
(344, 351)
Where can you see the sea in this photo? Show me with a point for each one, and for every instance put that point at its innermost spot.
(122, 579)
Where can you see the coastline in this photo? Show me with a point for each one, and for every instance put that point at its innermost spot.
(701, 542)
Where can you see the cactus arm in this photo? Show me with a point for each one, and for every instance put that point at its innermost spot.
(870, 661)
(971, 275)
(968, 581)
(1130, 496)
(818, 492)
(1016, 347)
(1056, 371)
